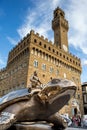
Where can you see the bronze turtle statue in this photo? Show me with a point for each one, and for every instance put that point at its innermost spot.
(20, 105)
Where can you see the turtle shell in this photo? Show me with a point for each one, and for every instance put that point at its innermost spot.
(13, 97)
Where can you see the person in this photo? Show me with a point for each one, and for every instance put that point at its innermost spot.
(79, 120)
(35, 82)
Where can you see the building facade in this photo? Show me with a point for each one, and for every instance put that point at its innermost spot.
(36, 53)
(84, 93)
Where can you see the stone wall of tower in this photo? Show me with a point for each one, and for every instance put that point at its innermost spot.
(14, 76)
(60, 27)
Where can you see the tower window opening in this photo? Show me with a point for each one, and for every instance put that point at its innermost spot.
(35, 41)
(53, 50)
(49, 48)
(44, 45)
(40, 43)
(61, 14)
(55, 15)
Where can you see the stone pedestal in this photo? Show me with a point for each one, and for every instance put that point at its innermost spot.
(32, 126)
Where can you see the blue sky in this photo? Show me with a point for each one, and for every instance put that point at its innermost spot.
(18, 17)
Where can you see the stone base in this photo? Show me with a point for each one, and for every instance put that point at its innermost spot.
(32, 126)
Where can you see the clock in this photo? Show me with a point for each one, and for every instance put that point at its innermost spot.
(65, 48)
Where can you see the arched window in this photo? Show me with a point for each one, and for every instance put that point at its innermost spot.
(44, 45)
(49, 48)
(40, 43)
(35, 41)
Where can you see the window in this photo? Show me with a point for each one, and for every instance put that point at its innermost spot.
(43, 67)
(35, 41)
(85, 98)
(67, 58)
(49, 48)
(44, 45)
(60, 54)
(57, 52)
(51, 70)
(71, 60)
(35, 63)
(40, 43)
(86, 89)
(63, 56)
(57, 72)
(78, 96)
(53, 50)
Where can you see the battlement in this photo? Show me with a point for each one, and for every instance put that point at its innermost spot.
(43, 42)
(48, 46)
(32, 32)
(59, 12)
(58, 19)
(21, 47)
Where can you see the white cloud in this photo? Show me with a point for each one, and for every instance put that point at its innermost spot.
(11, 40)
(84, 62)
(2, 61)
(39, 18)
(77, 16)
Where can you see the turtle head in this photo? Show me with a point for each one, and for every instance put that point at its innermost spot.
(58, 92)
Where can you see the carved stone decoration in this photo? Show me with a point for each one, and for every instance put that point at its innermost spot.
(43, 105)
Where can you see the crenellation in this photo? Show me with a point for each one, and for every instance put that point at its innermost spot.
(16, 49)
(37, 34)
(59, 11)
(42, 37)
(50, 42)
(72, 56)
(46, 39)
(32, 32)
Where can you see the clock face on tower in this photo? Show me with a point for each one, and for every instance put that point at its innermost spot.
(65, 48)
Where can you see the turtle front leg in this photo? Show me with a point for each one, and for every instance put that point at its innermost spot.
(58, 122)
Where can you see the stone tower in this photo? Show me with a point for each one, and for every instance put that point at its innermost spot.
(60, 27)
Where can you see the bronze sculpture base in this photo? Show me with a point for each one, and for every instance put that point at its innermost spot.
(33, 126)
